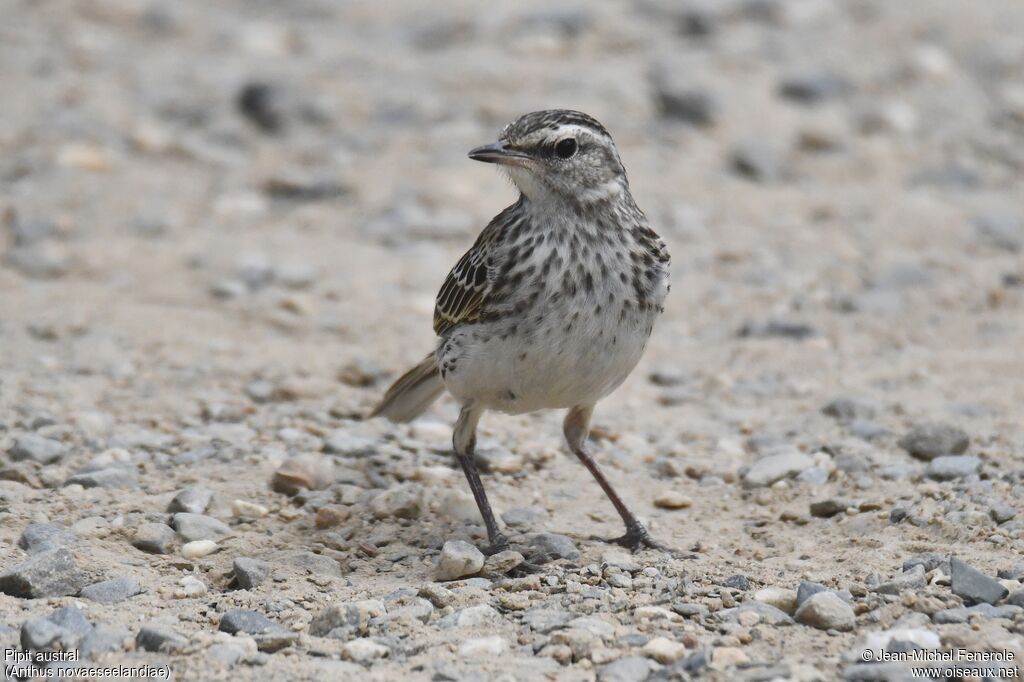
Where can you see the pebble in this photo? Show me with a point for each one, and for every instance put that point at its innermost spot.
(471, 616)
(331, 515)
(688, 104)
(63, 629)
(972, 585)
(962, 614)
(850, 409)
(155, 538)
(364, 650)
(1001, 513)
(198, 548)
(779, 597)
(250, 573)
(826, 611)
(1001, 230)
(766, 613)
(545, 547)
(104, 639)
(109, 477)
(544, 620)
(664, 650)
(723, 657)
(672, 499)
(912, 580)
(191, 586)
(345, 444)
(37, 449)
(930, 440)
(759, 161)
(343, 619)
(158, 638)
(629, 669)
(247, 622)
(402, 501)
(193, 527)
(248, 510)
(192, 500)
(492, 458)
(308, 471)
(825, 509)
(501, 563)
(49, 573)
(39, 537)
(773, 468)
(951, 467)
(458, 559)
(813, 88)
(112, 591)
(483, 647)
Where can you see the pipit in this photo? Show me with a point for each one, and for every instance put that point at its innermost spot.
(552, 306)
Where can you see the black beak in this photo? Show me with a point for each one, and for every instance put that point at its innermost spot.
(498, 153)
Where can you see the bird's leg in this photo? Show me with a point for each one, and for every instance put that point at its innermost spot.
(577, 427)
(464, 441)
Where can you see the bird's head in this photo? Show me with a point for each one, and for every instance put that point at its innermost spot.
(558, 154)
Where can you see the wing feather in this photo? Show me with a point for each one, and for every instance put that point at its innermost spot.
(465, 293)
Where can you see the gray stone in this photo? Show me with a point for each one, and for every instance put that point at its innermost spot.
(690, 609)
(761, 162)
(191, 500)
(1013, 573)
(103, 639)
(401, 501)
(1001, 230)
(1016, 598)
(44, 260)
(544, 547)
(112, 591)
(247, 622)
(62, 629)
(315, 564)
(629, 669)
(807, 589)
(1001, 513)
(250, 573)
(848, 409)
(41, 634)
(109, 477)
(913, 579)
(865, 429)
(472, 616)
(963, 613)
(160, 639)
(345, 444)
(199, 527)
(972, 585)
(155, 538)
(737, 582)
(782, 329)
(545, 620)
(50, 573)
(828, 508)
(458, 559)
(812, 88)
(930, 440)
(39, 537)
(773, 468)
(951, 467)
(693, 105)
(768, 614)
(37, 449)
(826, 611)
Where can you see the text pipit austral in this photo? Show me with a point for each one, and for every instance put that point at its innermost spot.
(553, 305)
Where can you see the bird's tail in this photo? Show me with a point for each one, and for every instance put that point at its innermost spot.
(412, 393)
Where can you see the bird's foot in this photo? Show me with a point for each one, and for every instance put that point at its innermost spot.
(637, 538)
(499, 543)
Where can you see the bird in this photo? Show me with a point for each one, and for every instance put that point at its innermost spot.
(552, 306)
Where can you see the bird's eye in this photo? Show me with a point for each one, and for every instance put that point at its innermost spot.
(566, 148)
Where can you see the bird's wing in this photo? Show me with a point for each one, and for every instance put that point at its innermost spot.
(465, 293)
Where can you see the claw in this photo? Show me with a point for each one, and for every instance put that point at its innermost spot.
(637, 538)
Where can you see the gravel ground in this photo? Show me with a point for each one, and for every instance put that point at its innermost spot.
(222, 226)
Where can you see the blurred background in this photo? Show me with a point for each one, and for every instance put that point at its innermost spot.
(223, 225)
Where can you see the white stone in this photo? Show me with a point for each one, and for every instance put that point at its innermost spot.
(364, 650)
(664, 650)
(482, 646)
(458, 559)
(248, 510)
(198, 548)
